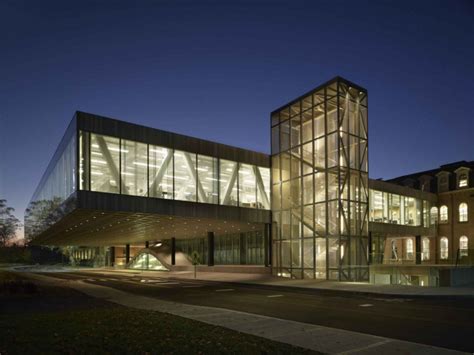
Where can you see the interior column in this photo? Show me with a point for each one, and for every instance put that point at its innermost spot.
(210, 248)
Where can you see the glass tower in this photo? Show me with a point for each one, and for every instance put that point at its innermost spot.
(320, 184)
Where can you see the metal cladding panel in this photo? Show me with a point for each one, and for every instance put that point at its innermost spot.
(112, 127)
(124, 203)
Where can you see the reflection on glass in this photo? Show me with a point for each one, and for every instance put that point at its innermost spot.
(263, 187)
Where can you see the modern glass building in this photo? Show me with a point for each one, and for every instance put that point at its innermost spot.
(123, 195)
(320, 184)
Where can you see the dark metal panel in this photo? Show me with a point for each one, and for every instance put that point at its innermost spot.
(319, 87)
(125, 203)
(125, 130)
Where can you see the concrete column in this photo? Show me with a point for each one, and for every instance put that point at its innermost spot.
(127, 253)
(112, 256)
(418, 249)
(173, 251)
(210, 248)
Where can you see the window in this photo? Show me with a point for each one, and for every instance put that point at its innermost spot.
(228, 182)
(463, 212)
(425, 249)
(443, 248)
(443, 214)
(134, 163)
(434, 216)
(247, 186)
(409, 246)
(160, 173)
(207, 179)
(443, 182)
(462, 180)
(463, 246)
(104, 163)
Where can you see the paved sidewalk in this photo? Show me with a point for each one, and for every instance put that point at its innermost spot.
(308, 336)
(262, 279)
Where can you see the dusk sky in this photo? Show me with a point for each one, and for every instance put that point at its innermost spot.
(216, 69)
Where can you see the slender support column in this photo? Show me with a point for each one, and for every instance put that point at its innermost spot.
(369, 241)
(267, 240)
(173, 251)
(112, 256)
(210, 248)
(418, 249)
(127, 253)
(243, 249)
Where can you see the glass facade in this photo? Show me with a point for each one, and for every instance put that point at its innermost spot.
(48, 203)
(391, 208)
(114, 165)
(320, 185)
(229, 249)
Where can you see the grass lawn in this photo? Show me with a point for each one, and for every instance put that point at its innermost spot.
(61, 320)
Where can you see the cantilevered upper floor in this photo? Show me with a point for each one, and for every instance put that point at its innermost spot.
(134, 174)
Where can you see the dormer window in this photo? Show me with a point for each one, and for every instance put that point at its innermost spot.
(462, 181)
(462, 177)
(443, 181)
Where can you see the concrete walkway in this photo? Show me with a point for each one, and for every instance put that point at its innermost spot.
(269, 280)
(323, 339)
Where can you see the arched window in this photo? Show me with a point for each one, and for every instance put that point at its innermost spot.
(409, 246)
(443, 214)
(425, 249)
(463, 246)
(434, 216)
(463, 212)
(443, 248)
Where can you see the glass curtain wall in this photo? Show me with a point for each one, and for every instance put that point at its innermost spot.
(229, 249)
(391, 208)
(114, 165)
(319, 185)
(58, 183)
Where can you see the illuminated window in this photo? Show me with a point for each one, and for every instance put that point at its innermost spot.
(134, 164)
(463, 246)
(463, 212)
(443, 214)
(462, 180)
(208, 179)
(104, 163)
(409, 246)
(443, 248)
(160, 174)
(184, 176)
(425, 249)
(229, 171)
(434, 215)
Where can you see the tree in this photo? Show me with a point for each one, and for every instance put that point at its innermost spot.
(9, 224)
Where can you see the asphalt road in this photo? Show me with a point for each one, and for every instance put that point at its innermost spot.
(440, 322)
